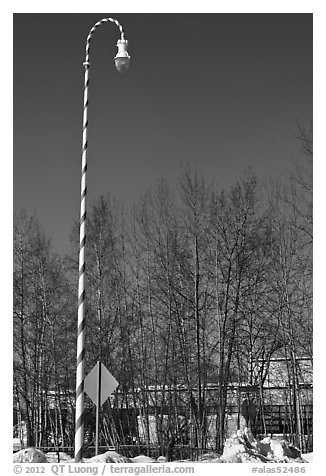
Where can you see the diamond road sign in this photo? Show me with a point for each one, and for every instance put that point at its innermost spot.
(108, 383)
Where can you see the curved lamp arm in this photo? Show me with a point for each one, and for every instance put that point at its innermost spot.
(122, 58)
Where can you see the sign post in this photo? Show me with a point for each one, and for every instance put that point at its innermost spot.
(98, 405)
(99, 384)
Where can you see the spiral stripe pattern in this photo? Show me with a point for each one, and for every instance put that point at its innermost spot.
(79, 417)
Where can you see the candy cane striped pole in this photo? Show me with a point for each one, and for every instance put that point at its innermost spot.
(79, 417)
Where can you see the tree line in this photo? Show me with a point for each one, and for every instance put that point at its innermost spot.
(192, 286)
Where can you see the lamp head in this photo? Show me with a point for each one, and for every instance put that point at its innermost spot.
(122, 58)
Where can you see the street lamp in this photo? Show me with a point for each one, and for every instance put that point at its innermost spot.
(122, 60)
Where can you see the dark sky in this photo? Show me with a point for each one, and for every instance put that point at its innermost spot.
(222, 91)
